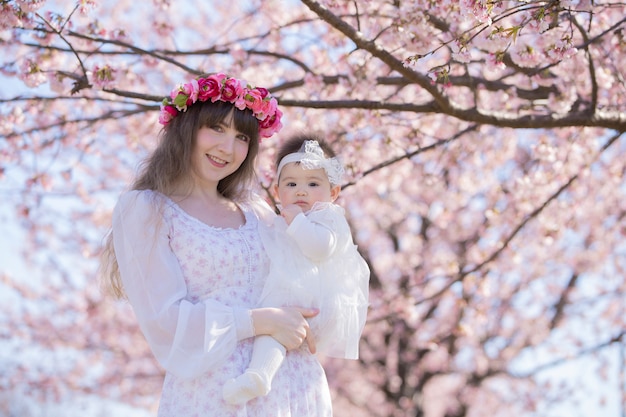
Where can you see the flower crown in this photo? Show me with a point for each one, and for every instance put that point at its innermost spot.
(228, 89)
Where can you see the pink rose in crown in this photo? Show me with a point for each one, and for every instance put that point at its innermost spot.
(167, 114)
(231, 90)
(264, 92)
(256, 103)
(268, 107)
(191, 89)
(270, 124)
(209, 88)
(253, 99)
(242, 102)
(185, 95)
(263, 107)
(220, 77)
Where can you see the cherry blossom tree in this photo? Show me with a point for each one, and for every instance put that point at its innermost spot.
(483, 144)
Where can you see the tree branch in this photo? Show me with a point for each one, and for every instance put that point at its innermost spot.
(608, 120)
(590, 65)
(559, 307)
(507, 240)
(410, 155)
(377, 51)
(618, 338)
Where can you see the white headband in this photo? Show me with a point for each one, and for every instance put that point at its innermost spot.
(313, 158)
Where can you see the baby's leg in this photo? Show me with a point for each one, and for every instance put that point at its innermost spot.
(267, 356)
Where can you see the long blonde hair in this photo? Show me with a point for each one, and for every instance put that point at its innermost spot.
(169, 166)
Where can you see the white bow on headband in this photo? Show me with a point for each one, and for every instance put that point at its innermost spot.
(313, 158)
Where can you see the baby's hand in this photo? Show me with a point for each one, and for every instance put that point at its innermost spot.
(290, 212)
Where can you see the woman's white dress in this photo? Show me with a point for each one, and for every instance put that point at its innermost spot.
(315, 263)
(191, 287)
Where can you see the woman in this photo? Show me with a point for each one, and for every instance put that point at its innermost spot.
(186, 252)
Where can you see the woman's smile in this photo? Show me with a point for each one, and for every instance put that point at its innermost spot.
(218, 162)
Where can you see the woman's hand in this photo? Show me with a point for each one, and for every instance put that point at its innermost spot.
(288, 325)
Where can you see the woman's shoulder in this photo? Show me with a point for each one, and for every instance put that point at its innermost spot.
(254, 203)
(146, 200)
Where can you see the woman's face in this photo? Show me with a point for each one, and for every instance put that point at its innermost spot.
(219, 151)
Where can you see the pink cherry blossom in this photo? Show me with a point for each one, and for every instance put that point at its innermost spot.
(484, 185)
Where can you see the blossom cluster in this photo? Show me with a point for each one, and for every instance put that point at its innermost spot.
(103, 76)
(228, 89)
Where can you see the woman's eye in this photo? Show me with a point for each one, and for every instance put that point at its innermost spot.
(217, 128)
(244, 138)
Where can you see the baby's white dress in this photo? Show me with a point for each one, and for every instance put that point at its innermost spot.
(191, 287)
(309, 270)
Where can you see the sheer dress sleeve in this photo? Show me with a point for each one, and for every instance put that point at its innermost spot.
(187, 338)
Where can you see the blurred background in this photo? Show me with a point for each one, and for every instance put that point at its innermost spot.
(483, 143)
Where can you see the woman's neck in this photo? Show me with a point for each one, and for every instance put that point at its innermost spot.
(208, 194)
(213, 209)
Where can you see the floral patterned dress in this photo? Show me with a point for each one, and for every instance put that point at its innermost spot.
(191, 287)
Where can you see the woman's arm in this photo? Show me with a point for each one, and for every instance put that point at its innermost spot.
(186, 338)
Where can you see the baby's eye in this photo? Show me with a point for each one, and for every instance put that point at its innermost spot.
(291, 184)
(313, 184)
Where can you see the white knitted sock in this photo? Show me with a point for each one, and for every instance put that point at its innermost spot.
(267, 356)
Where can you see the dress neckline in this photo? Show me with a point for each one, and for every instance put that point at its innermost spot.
(177, 207)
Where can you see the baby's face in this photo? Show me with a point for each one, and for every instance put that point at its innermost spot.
(304, 187)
